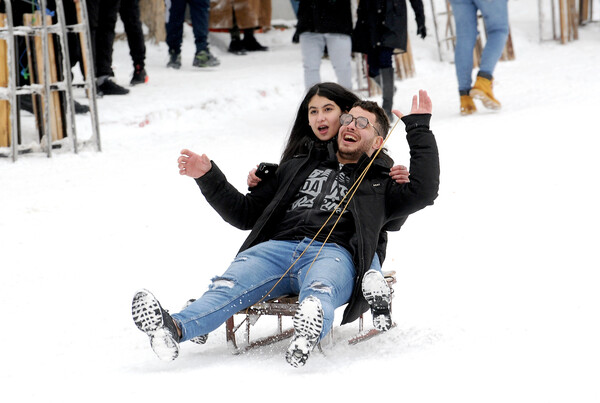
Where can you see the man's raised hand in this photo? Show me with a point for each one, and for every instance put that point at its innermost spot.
(420, 104)
(192, 164)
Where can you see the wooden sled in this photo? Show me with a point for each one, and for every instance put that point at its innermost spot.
(279, 308)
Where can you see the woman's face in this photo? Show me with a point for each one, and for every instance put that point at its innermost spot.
(323, 117)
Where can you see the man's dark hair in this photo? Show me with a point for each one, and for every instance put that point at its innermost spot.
(382, 123)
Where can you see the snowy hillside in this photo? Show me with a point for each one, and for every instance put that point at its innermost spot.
(497, 296)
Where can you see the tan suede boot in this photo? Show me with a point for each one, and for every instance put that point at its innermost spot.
(467, 106)
(482, 90)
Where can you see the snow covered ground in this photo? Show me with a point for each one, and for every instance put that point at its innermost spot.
(497, 296)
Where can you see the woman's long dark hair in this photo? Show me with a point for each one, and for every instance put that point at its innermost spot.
(301, 133)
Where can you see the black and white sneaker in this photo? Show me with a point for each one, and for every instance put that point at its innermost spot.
(198, 339)
(308, 323)
(156, 322)
(378, 294)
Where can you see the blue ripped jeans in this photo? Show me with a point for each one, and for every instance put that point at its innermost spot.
(255, 271)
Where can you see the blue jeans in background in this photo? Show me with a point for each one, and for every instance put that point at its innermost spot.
(495, 17)
(339, 49)
(175, 16)
(255, 271)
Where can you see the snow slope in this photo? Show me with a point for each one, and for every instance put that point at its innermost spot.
(497, 296)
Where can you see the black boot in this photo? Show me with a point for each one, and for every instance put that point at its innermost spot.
(387, 89)
(236, 46)
(250, 43)
(79, 108)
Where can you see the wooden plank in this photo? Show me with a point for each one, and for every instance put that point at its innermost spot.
(477, 51)
(509, 52)
(56, 115)
(564, 29)
(82, 40)
(405, 65)
(573, 20)
(584, 11)
(33, 73)
(4, 105)
(55, 101)
(152, 14)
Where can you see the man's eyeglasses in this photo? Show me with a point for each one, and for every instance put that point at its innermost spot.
(361, 121)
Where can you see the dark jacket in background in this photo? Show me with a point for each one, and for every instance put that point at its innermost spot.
(325, 17)
(383, 23)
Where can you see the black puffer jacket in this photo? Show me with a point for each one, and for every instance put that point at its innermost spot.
(379, 203)
(325, 17)
(383, 23)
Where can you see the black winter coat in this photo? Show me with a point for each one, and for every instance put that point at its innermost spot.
(383, 23)
(325, 17)
(379, 203)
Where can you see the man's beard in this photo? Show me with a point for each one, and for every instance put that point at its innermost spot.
(350, 155)
(355, 154)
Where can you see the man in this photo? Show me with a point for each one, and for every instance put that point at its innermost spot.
(282, 254)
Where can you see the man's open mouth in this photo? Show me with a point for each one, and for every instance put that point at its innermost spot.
(350, 138)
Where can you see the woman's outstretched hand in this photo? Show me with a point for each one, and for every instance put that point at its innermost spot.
(192, 164)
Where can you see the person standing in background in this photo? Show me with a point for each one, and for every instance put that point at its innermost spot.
(102, 20)
(495, 18)
(325, 24)
(175, 16)
(241, 16)
(381, 28)
(130, 15)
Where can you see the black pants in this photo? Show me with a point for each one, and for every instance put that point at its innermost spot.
(379, 58)
(130, 15)
(102, 15)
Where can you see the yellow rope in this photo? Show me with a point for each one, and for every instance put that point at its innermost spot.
(352, 189)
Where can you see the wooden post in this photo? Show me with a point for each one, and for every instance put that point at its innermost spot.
(573, 20)
(152, 14)
(509, 52)
(477, 51)
(584, 12)
(405, 65)
(82, 39)
(4, 105)
(56, 121)
(562, 8)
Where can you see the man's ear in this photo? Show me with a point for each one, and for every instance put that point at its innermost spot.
(378, 142)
